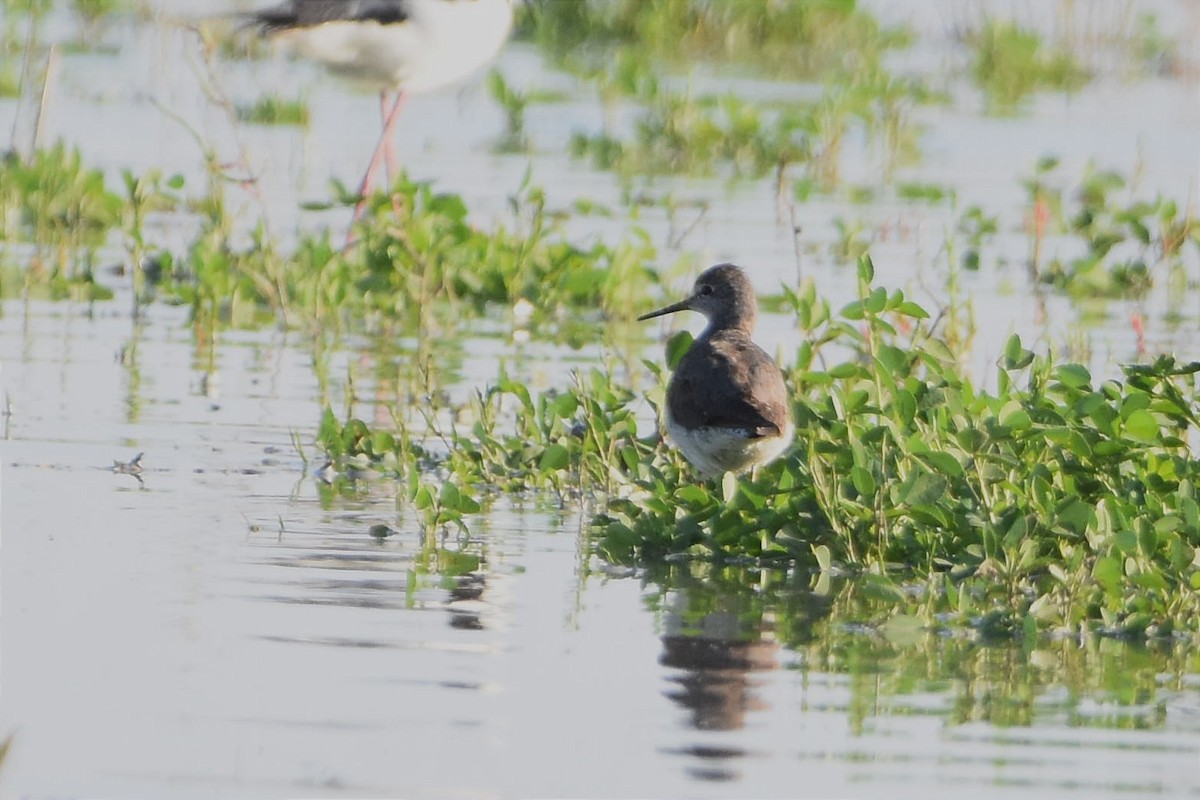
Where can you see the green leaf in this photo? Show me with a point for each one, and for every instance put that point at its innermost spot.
(1110, 574)
(382, 442)
(1075, 376)
(853, 311)
(911, 309)
(449, 495)
(423, 499)
(876, 301)
(944, 463)
(1016, 356)
(863, 482)
(729, 485)
(824, 556)
(692, 495)
(847, 369)
(1126, 541)
(554, 458)
(866, 269)
(1015, 417)
(926, 490)
(677, 346)
(1142, 427)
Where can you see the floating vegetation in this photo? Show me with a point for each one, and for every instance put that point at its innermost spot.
(272, 110)
(1051, 502)
(1054, 502)
(66, 211)
(1126, 244)
(1010, 64)
(688, 133)
(772, 39)
(10, 85)
(514, 103)
(621, 49)
(578, 441)
(418, 251)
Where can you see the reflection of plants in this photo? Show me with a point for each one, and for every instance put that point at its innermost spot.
(92, 14)
(851, 242)
(892, 662)
(19, 46)
(1010, 64)
(91, 11)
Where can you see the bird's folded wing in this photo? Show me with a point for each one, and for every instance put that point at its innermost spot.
(308, 13)
(731, 385)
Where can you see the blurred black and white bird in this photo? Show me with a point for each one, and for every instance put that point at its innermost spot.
(392, 46)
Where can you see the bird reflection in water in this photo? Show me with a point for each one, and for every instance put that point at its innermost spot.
(718, 654)
(466, 604)
(720, 638)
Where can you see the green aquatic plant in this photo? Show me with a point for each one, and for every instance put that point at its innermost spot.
(1069, 502)
(145, 195)
(1011, 63)
(420, 256)
(66, 211)
(576, 441)
(1126, 243)
(778, 40)
(1054, 502)
(683, 131)
(515, 102)
(272, 110)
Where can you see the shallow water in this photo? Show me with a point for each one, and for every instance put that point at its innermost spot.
(229, 626)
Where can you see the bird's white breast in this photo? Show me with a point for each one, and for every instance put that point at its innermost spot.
(442, 42)
(717, 450)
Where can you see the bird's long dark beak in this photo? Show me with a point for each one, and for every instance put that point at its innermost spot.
(682, 305)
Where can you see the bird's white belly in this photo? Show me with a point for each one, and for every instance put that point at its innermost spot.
(443, 42)
(717, 450)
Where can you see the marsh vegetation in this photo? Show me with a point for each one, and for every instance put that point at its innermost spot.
(956, 478)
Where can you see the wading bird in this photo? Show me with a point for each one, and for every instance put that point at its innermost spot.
(727, 406)
(399, 46)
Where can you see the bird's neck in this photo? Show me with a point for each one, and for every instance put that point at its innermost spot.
(728, 326)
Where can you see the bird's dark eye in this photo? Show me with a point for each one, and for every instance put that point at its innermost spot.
(706, 289)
